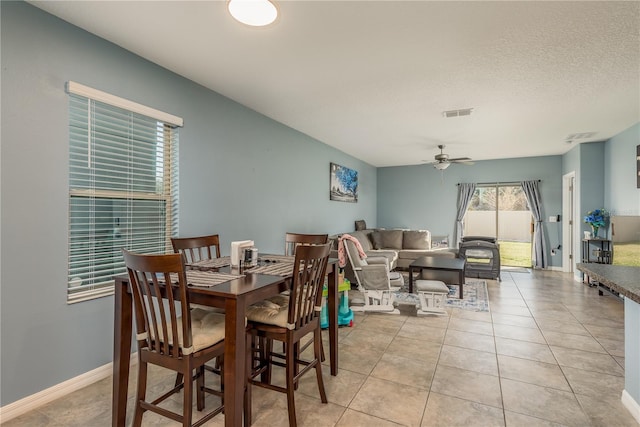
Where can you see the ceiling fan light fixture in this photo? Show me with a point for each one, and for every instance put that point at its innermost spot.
(441, 166)
(256, 13)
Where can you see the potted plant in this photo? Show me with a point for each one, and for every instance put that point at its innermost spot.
(596, 218)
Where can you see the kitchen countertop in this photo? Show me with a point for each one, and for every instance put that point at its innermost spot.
(623, 279)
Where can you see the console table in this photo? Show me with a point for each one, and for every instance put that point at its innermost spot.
(602, 252)
(599, 251)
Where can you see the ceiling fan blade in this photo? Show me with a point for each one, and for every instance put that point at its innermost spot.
(460, 159)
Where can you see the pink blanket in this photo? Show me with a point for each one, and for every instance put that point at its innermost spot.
(342, 255)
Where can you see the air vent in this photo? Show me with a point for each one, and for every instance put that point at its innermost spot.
(577, 136)
(457, 113)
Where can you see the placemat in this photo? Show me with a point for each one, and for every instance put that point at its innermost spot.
(210, 263)
(206, 278)
(276, 258)
(275, 269)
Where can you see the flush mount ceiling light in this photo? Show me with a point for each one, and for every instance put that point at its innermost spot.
(256, 13)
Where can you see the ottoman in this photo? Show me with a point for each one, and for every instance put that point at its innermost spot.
(432, 295)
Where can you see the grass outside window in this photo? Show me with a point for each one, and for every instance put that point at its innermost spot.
(518, 254)
(515, 254)
(626, 254)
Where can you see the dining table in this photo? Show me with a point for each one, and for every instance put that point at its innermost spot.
(243, 288)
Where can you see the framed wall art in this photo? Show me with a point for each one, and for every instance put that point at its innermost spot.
(343, 184)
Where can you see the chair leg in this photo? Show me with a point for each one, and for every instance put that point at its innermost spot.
(296, 357)
(266, 348)
(220, 363)
(141, 393)
(290, 373)
(200, 388)
(187, 396)
(247, 384)
(317, 349)
(178, 379)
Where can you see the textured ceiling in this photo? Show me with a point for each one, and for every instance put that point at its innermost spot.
(373, 78)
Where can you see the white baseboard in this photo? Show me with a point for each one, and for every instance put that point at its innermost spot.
(555, 268)
(29, 403)
(631, 405)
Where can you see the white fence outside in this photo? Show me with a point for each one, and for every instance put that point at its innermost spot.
(515, 226)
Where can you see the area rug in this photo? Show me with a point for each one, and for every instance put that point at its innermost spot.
(475, 298)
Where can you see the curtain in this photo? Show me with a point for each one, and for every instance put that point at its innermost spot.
(532, 192)
(465, 193)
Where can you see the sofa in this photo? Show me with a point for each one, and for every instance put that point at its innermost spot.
(399, 247)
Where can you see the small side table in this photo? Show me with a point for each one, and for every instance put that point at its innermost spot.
(596, 251)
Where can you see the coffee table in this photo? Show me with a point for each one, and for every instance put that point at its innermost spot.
(437, 263)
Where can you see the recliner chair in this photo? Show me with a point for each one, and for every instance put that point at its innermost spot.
(374, 280)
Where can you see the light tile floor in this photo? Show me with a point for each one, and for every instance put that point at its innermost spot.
(549, 353)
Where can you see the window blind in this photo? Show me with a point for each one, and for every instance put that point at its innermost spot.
(123, 190)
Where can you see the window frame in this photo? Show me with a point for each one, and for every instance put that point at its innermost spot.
(163, 170)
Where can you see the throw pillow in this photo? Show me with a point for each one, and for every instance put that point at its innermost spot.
(391, 239)
(416, 239)
(376, 239)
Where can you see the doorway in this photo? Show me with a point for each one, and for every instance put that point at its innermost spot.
(501, 211)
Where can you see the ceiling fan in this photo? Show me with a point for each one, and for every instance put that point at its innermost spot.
(442, 160)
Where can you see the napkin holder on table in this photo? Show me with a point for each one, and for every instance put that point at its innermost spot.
(237, 251)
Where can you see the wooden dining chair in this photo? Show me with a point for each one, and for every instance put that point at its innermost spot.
(195, 249)
(289, 322)
(170, 338)
(293, 240)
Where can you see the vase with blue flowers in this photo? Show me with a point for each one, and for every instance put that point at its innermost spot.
(596, 218)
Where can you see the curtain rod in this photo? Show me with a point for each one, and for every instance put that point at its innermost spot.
(500, 183)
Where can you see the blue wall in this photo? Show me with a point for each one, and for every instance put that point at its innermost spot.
(241, 175)
(425, 198)
(621, 195)
(591, 180)
(606, 176)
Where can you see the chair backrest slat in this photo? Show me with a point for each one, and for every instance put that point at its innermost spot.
(306, 290)
(155, 302)
(197, 248)
(293, 240)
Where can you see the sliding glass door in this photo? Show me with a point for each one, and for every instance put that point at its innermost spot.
(501, 211)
